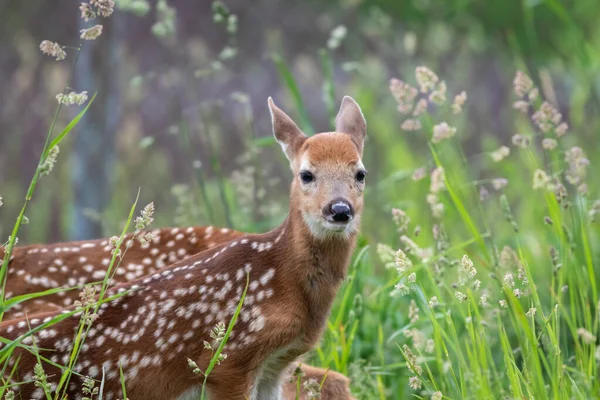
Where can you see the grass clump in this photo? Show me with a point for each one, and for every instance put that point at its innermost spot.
(499, 298)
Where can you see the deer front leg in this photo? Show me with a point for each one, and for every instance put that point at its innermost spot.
(268, 384)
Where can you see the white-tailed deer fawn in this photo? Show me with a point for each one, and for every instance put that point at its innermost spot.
(40, 267)
(293, 271)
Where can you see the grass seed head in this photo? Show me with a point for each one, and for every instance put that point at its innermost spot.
(53, 49)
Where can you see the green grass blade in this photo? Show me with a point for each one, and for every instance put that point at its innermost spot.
(288, 80)
(328, 84)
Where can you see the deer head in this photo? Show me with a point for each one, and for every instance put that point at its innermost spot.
(329, 176)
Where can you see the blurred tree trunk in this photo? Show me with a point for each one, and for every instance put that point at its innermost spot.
(94, 148)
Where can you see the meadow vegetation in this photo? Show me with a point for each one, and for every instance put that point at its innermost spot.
(476, 273)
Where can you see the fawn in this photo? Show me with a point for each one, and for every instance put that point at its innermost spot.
(40, 267)
(293, 273)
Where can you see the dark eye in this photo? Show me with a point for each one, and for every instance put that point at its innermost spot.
(306, 176)
(360, 176)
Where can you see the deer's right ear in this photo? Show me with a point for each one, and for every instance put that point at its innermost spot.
(287, 133)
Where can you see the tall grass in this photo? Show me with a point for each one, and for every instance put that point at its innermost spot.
(90, 303)
(45, 164)
(518, 321)
(526, 326)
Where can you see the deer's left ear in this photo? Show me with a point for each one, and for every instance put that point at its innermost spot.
(351, 120)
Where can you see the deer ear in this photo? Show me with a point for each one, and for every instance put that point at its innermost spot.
(287, 133)
(351, 120)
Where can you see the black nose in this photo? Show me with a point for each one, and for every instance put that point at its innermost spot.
(340, 211)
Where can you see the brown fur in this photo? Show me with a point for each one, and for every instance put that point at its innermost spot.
(294, 272)
(29, 265)
(335, 386)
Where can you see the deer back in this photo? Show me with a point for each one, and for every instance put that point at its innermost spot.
(40, 267)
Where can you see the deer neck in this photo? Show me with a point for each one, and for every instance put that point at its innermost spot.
(316, 266)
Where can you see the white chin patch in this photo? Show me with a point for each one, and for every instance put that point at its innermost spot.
(321, 228)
